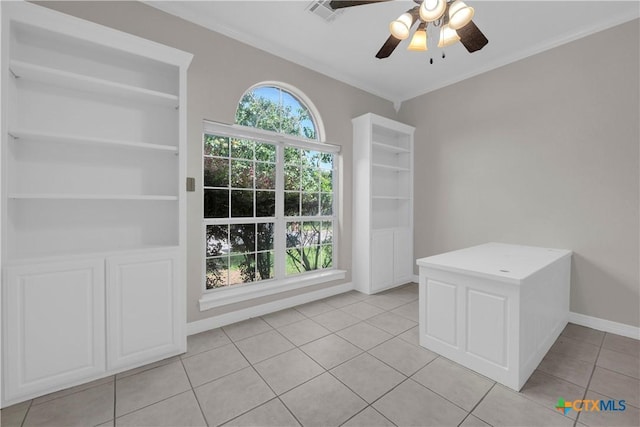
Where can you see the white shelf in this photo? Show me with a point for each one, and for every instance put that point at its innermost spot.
(64, 138)
(25, 70)
(388, 147)
(63, 196)
(389, 167)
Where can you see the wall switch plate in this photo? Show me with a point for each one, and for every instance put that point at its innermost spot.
(191, 184)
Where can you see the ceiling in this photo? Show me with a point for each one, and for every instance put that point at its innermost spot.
(345, 48)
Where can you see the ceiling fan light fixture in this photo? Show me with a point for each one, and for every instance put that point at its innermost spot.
(431, 10)
(400, 27)
(419, 39)
(448, 36)
(460, 14)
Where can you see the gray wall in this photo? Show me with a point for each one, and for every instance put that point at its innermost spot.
(543, 152)
(221, 71)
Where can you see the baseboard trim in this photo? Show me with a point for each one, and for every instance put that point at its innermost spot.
(416, 278)
(604, 325)
(262, 309)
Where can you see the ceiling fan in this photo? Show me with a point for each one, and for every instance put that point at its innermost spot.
(453, 17)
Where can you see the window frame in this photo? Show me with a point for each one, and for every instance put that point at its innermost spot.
(236, 293)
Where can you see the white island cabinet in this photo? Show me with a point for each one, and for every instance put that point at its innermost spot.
(495, 308)
(93, 202)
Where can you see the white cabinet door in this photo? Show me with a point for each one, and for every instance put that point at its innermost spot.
(143, 306)
(381, 259)
(402, 256)
(55, 323)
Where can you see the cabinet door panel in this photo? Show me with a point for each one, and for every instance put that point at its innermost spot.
(403, 256)
(381, 259)
(142, 304)
(55, 320)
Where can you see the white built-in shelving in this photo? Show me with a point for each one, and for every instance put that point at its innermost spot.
(383, 203)
(58, 138)
(75, 81)
(93, 200)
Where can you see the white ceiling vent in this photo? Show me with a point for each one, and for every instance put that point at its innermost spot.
(322, 9)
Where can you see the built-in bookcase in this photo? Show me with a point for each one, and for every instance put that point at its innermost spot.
(93, 199)
(383, 203)
(92, 147)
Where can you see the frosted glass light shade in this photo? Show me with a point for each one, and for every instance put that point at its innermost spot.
(460, 14)
(400, 27)
(430, 10)
(448, 36)
(419, 41)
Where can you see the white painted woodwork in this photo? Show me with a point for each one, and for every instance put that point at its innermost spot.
(55, 325)
(94, 166)
(382, 203)
(381, 269)
(403, 255)
(142, 291)
(495, 308)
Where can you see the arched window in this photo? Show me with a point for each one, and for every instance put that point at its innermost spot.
(269, 193)
(272, 107)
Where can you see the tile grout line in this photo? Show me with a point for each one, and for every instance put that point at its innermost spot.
(276, 396)
(193, 390)
(593, 370)
(476, 405)
(364, 409)
(115, 399)
(26, 413)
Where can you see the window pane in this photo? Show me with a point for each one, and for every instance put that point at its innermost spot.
(265, 236)
(310, 233)
(241, 174)
(217, 272)
(264, 264)
(242, 149)
(326, 181)
(216, 172)
(309, 204)
(327, 232)
(292, 156)
(271, 108)
(217, 240)
(311, 258)
(265, 203)
(310, 158)
(292, 178)
(216, 203)
(265, 152)
(327, 256)
(310, 180)
(326, 204)
(243, 269)
(241, 203)
(243, 238)
(292, 204)
(293, 235)
(294, 262)
(326, 160)
(216, 146)
(265, 176)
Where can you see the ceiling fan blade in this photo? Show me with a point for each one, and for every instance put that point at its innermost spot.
(392, 42)
(471, 37)
(388, 47)
(339, 4)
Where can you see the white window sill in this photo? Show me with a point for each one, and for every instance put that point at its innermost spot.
(222, 297)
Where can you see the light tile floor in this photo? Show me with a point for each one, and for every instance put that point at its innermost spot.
(350, 360)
